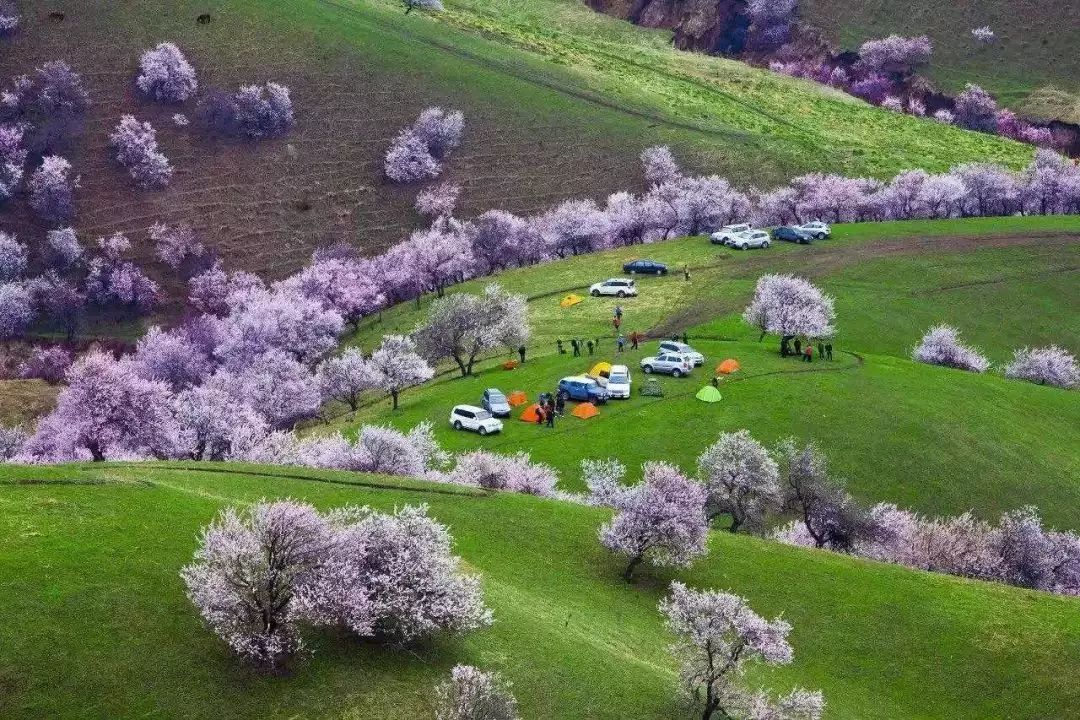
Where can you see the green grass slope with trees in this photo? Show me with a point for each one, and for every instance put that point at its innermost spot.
(1031, 65)
(97, 625)
(558, 100)
(935, 439)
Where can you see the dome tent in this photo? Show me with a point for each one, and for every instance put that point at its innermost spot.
(600, 368)
(727, 367)
(585, 411)
(708, 394)
(518, 397)
(570, 300)
(531, 413)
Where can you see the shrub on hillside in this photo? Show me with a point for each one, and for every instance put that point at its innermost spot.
(166, 75)
(895, 54)
(254, 112)
(46, 363)
(941, 346)
(11, 441)
(418, 150)
(472, 694)
(717, 636)
(64, 247)
(176, 245)
(137, 150)
(52, 190)
(13, 258)
(1046, 366)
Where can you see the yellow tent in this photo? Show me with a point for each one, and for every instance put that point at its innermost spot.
(600, 367)
(570, 300)
(518, 397)
(585, 411)
(727, 367)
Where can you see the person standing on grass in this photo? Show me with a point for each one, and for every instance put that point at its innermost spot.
(808, 353)
(560, 404)
(685, 338)
(521, 354)
(549, 413)
(621, 342)
(540, 414)
(635, 338)
(798, 346)
(686, 272)
(618, 311)
(576, 347)
(820, 350)
(784, 349)
(558, 345)
(589, 345)
(616, 321)
(828, 350)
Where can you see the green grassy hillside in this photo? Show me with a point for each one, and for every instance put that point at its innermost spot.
(936, 439)
(559, 102)
(97, 625)
(1032, 66)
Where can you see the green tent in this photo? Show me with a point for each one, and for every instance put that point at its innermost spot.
(708, 394)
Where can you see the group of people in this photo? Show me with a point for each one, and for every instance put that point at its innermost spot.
(805, 352)
(548, 406)
(576, 344)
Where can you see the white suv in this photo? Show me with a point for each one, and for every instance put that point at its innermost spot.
(670, 363)
(619, 287)
(726, 234)
(817, 229)
(618, 382)
(751, 239)
(677, 348)
(470, 417)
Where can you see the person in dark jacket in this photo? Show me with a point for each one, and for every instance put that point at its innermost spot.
(540, 415)
(820, 350)
(560, 403)
(575, 346)
(798, 346)
(521, 353)
(549, 413)
(558, 344)
(828, 350)
(784, 349)
(589, 345)
(685, 338)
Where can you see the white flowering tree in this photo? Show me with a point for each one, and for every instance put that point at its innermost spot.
(740, 480)
(790, 306)
(717, 636)
(462, 326)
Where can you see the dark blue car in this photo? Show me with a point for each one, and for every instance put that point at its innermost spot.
(645, 267)
(790, 234)
(582, 389)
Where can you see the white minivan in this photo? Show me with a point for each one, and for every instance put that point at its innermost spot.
(470, 417)
(618, 382)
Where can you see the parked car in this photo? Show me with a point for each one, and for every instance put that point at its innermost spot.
(724, 235)
(645, 267)
(583, 389)
(470, 417)
(669, 363)
(678, 348)
(751, 239)
(817, 229)
(495, 403)
(790, 234)
(618, 382)
(619, 287)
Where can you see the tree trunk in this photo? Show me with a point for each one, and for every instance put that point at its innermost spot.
(736, 523)
(394, 395)
(628, 573)
(95, 451)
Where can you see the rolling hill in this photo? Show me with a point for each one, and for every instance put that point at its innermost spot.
(559, 102)
(983, 442)
(1030, 67)
(97, 625)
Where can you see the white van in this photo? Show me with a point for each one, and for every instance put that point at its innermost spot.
(618, 382)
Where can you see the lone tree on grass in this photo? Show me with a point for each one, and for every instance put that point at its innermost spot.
(717, 636)
(789, 306)
(661, 519)
(472, 694)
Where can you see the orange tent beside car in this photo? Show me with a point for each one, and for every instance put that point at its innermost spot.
(518, 397)
(531, 414)
(585, 411)
(727, 367)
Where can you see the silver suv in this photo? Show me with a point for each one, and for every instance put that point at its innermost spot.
(669, 363)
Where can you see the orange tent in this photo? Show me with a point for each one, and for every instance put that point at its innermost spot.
(727, 367)
(510, 365)
(518, 397)
(531, 413)
(585, 411)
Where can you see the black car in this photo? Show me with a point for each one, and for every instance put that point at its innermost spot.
(790, 234)
(645, 267)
